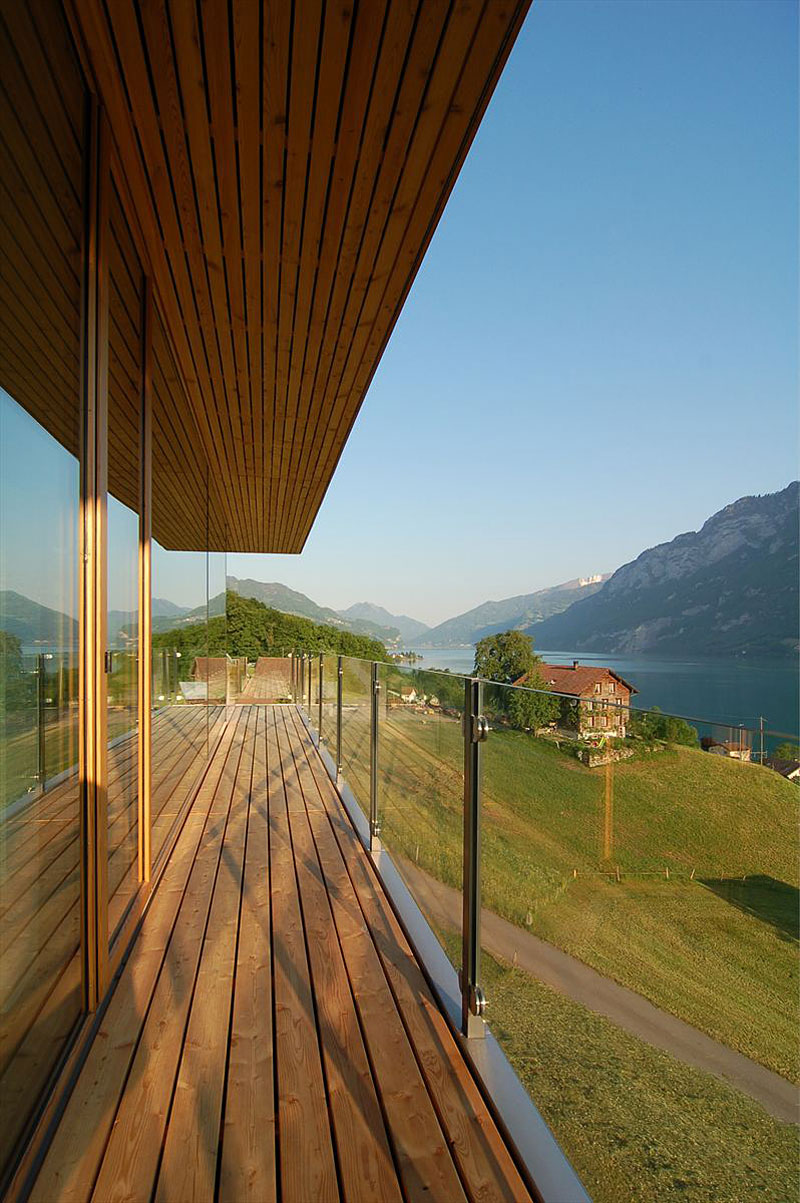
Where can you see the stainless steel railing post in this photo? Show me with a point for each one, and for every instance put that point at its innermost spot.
(319, 698)
(339, 676)
(473, 1002)
(374, 713)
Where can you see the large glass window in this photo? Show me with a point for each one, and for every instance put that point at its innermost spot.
(188, 609)
(125, 356)
(41, 115)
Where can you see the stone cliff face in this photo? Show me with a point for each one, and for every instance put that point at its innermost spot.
(730, 588)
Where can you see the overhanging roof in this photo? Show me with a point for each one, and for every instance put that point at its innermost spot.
(287, 164)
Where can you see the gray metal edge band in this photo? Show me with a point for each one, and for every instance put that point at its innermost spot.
(547, 1165)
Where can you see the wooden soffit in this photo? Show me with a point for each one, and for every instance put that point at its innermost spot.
(287, 163)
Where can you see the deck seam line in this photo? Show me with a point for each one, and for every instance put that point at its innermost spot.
(212, 892)
(224, 1097)
(357, 1010)
(448, 1142)
(157, 977)
(323, 1067)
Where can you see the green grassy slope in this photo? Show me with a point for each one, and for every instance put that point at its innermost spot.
(719, 953)
(635, 1123)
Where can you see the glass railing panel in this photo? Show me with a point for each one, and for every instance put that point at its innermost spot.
(356, 694)
(330, 686)
(637, 868)
(421, 791)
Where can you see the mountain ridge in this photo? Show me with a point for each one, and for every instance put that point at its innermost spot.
(729, 588)
(490, 617)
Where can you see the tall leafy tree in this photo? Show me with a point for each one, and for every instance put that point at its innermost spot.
(505, 657)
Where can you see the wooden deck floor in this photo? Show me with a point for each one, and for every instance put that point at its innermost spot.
(39, 905)
(271, 1035)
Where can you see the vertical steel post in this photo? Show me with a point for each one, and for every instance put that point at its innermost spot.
(310, 684)
(475, 732)
(339, 676)
(319, 698)
(40, 745)
(374, 823)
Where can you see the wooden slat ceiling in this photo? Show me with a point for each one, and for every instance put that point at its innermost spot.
(288, 163)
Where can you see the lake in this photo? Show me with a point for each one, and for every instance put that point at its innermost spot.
(733, 692)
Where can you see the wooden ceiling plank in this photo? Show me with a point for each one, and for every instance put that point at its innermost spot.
(49, 348)
(282, 240)
(305, 49)
(274, 93)
(59, 290)
(44, 364)
(49, 194)
(482, 59)
(58, 108)
(247, 59)
(49, 407)
(385, 151)
(154, 201)
(330, 88)
(202, 230)
(378, 53)
(367, 37)
(220, 87)
(60, 56)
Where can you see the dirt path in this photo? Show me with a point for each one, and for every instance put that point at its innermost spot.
(622, 1006)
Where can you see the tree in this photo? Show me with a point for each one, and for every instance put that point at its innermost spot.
(505, 657)
(788, 751)
(533, 706)
(652, 724)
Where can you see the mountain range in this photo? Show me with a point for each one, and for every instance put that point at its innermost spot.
(729, 589)
(358, 619)
(510, 613)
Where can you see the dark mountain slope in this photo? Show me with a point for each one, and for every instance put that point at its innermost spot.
(729, 589)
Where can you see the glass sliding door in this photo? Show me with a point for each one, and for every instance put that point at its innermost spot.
(42, 107)
(125, 360)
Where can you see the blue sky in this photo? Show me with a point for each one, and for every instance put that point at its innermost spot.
(600, 349)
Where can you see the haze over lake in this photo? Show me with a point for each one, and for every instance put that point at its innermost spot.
(734, 692)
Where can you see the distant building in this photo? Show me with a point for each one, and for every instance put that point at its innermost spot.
(790, 769)
(602, 697)
(408, 695)
(732, 748)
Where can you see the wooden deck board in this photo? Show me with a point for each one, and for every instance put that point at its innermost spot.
(271, 1035)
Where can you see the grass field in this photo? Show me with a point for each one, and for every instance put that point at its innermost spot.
(695, 907)
(636, 1124)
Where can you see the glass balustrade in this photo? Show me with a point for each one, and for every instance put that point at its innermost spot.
(638, 932)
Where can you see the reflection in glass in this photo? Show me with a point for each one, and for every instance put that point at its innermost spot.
(42, 122)
(124, 476)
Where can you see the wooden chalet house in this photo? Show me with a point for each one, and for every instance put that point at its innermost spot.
(211, 216)
(602, 697)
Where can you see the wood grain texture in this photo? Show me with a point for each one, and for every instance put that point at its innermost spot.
(288, 164)
(271, 1035)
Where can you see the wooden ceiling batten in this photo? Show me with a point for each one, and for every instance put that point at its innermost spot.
(287, 163)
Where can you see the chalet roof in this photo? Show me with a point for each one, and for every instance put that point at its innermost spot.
(786, 768)
(576, 680)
